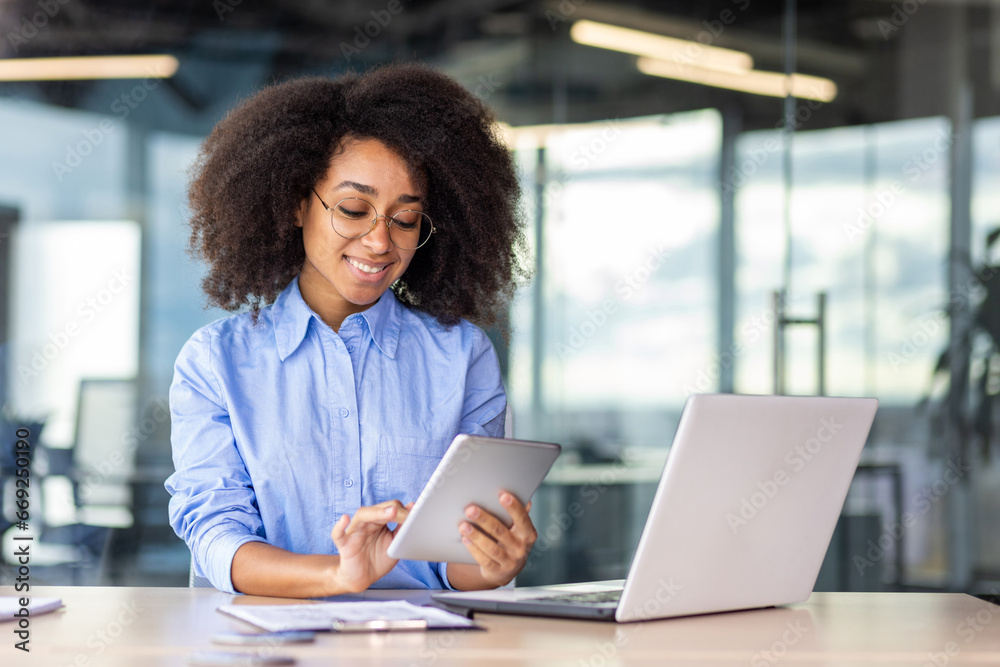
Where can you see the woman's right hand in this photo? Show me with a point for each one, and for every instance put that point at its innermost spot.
(362, 541)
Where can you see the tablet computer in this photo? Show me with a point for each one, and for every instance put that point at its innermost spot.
(474, 470)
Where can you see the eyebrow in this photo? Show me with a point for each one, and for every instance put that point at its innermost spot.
(372, 192)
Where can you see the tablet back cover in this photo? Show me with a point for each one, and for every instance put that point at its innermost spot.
(474, 470)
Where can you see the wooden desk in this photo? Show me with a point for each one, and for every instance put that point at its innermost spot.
(160, 626)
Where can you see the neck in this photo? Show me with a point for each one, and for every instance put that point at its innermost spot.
(324, 300)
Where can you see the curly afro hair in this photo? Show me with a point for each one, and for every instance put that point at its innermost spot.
(261, 161)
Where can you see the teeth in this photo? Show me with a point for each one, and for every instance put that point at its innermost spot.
(364, 267)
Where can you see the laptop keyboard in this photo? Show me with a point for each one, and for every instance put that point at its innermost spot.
(601, 597)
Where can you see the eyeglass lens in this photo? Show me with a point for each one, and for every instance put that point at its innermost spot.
(353, 217)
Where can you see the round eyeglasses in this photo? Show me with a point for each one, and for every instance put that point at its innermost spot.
(353, 217)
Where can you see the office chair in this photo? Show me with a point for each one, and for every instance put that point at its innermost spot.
(99, 466)
(104, 453)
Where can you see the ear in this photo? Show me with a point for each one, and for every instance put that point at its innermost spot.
(302, 212)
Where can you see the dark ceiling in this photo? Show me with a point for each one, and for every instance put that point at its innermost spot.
(887, 63)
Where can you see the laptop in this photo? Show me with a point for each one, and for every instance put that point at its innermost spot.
(742, 516)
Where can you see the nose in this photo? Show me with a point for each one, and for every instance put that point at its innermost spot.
(377, 240)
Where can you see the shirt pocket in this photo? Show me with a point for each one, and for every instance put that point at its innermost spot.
(405, 465)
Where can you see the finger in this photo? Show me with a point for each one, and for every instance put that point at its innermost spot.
(389, 505)
(381, 513)
(488, 554)
(401, 514)
(522, 530)
(512, 546)
(340, 527)
(481, 558)
(486, 522)
(374, 517)
(518, 512)
(521, 525)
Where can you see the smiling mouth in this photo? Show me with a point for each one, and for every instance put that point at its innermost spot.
(365, 267)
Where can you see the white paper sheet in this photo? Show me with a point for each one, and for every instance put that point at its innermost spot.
(9, 606)
(323, 615)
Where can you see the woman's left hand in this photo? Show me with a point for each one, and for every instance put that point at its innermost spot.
(501, 552)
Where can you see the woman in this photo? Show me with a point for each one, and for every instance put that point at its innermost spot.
(377, 215)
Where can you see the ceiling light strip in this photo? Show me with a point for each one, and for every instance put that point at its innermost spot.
(758, 82)
(641, 43)
(88, 67)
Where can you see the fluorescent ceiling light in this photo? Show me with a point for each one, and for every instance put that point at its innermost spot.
(758, 82)
(88, 67)
(536, 136)
(680, 51)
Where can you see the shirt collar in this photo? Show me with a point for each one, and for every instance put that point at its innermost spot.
(290, 315)
(385, 321)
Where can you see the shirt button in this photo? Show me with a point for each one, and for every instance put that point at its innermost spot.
(344, 412)
(348, 482)
(350, 348)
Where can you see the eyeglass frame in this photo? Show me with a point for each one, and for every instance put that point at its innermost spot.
(375, 221)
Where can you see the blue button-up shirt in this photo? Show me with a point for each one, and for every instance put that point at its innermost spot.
(280, 428)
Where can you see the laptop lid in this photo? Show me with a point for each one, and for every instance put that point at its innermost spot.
(746, 504)
(743, 512)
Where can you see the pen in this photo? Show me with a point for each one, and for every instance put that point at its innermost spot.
(380, 625)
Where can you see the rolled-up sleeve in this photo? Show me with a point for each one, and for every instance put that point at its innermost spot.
(213, 507)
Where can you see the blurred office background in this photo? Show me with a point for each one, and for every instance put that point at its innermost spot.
(686, 221)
